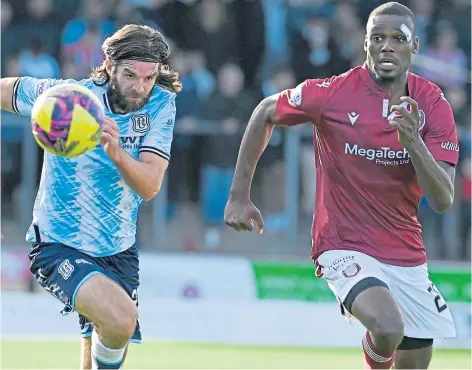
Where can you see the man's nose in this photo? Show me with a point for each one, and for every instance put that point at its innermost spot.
(387, 46)
(139, 88)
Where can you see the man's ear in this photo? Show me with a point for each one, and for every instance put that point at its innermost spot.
(416, 45)
(108, 66)
(365, 44)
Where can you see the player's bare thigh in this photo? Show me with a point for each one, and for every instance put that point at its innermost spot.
(109, 307)
(359, 282)
(86, 354)
(379, 312)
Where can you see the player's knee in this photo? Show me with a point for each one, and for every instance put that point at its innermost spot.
(389, 330)
(119, 320)
(122, 322)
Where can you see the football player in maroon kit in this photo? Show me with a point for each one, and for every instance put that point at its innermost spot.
(383, 137)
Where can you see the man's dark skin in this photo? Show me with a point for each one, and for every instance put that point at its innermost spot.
(385, 41)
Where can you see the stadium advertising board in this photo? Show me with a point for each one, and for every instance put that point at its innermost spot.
(297, 281)
(15, 273)
(175, 276)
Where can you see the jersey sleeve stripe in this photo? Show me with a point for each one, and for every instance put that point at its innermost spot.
(14, 96)
(151, 149)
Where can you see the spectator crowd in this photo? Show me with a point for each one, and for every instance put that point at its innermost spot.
(230, 54)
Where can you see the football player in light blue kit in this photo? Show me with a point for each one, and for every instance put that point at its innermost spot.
(84, 219)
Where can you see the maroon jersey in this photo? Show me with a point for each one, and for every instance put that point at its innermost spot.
(367, 191)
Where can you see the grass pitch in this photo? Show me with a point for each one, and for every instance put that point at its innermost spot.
(44, 354)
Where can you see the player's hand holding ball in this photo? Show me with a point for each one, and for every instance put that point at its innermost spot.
(110, 139)
(406, 122)
(241, 215)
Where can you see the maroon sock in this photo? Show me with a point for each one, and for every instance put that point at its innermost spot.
(373, 359)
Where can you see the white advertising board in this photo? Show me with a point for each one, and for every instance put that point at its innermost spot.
(14, 268)
(168, 276)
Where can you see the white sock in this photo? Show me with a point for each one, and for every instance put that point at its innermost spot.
(104, 354)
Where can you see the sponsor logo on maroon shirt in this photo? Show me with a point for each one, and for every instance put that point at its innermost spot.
(453, 147)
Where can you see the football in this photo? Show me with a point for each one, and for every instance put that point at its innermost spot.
(67, 120)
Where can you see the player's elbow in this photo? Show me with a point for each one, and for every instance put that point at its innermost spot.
(268, 107)
(150, 194)
(444, 204)
(152, 183)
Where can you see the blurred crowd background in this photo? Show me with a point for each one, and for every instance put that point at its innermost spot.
(230, 54)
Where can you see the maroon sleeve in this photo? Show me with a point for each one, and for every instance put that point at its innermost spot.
(441, 136)
(303, 103)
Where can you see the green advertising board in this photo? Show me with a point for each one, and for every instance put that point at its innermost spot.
(297, 281)
(454, 284)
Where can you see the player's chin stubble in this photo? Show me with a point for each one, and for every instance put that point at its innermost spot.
(383, 78)
(122, 102)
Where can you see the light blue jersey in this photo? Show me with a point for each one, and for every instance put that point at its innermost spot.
(83, 202)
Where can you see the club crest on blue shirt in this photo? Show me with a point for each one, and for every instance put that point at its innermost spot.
(141, 122)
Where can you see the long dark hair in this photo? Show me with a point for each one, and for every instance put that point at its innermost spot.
(140, 43)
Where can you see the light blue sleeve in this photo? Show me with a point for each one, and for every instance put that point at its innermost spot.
(158, 139)
(27, 89)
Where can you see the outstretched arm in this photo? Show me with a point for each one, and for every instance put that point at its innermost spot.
(6, 91)
(240, 212)
(254, 142)
(18, 94)
(290, 107)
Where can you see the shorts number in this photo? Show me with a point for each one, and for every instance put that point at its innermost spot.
(440, 307)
